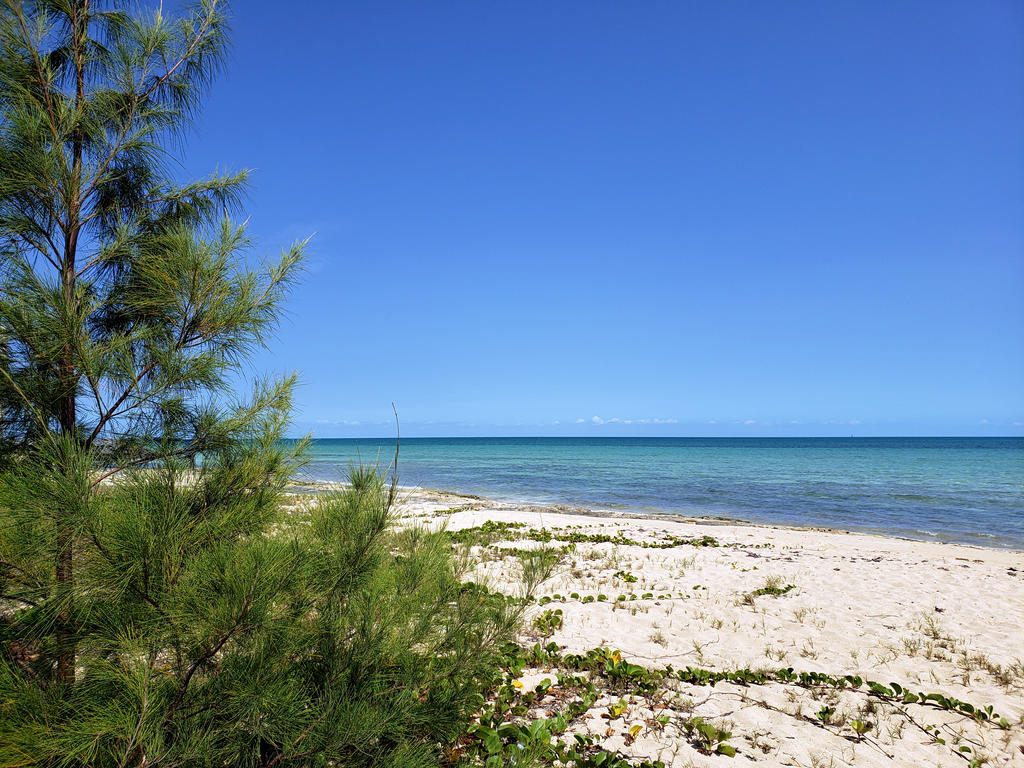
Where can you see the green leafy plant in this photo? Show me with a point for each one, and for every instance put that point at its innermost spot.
(548, 622)
(708, 738)
(861, 727)
(618, 708)
(619, 674)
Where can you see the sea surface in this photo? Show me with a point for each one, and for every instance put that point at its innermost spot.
(966, 490)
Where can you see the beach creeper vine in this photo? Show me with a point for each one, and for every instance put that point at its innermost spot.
(494, 530)
(497, 739)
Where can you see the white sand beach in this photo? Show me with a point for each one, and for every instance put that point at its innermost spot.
(934, 618)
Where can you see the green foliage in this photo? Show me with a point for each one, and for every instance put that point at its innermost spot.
(211, 626)
(498, 740)
(548, 622)
(707, 738)
(493, 531)
(772, 588)
(126, 305)
(861, 727)
(602, 671)
(610, 665)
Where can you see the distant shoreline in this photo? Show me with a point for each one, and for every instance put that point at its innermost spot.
(633, 514)
(962, 490)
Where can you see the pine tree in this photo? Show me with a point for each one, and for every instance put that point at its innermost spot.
(122, 305)
(159, 603)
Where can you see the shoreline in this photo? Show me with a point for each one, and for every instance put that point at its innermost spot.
(710, 520)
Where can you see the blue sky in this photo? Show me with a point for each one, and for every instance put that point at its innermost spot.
(660, 218)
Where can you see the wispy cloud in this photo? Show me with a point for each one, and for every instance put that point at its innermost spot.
(616, 420)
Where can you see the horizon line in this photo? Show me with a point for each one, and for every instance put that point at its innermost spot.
(654, 437)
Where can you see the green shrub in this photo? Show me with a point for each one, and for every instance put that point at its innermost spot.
(215, 630)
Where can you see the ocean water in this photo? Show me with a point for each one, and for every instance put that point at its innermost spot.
(967, 490)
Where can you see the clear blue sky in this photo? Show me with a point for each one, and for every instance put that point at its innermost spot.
(723, 218)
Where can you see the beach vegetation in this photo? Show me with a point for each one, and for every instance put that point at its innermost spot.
(492, 531)
(126, 304)
(861, 727)
(585, 676)
(548, 622)
(708, 738)
(773, 587)
(826, 715)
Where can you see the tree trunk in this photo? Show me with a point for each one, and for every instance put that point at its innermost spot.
(67, 415)
(68, 384)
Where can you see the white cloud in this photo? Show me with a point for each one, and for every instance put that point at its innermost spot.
(617, 420)
(556, 421)
(750, 421)
(712, 421)
(854, 422)
(984, 421)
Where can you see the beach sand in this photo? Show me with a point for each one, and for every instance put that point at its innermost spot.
(935, 618)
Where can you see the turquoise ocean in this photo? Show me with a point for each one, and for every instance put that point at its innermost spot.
(966, 490)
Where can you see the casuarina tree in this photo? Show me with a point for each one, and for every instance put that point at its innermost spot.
(160, 604)
(123, 306)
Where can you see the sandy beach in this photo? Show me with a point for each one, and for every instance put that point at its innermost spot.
(933, 618)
